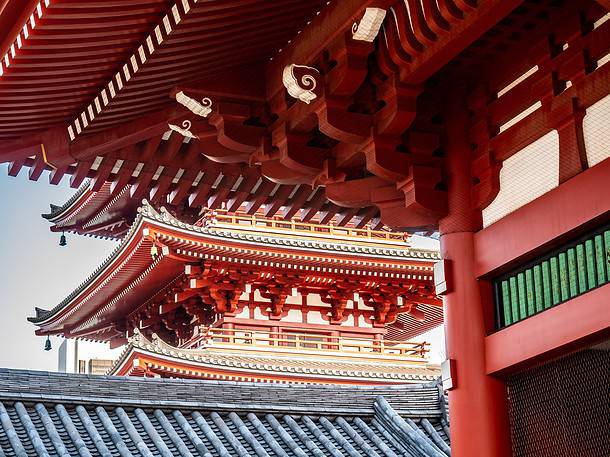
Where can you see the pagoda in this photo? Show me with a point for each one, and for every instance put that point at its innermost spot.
(247, 297)
(484, 121)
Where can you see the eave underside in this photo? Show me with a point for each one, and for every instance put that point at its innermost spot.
(71, 49)
(355, 146)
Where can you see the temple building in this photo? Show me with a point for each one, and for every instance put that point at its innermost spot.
(484, 121)
(247, 297)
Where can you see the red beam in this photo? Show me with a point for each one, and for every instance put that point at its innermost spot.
(126, 134)
(604, 3)
(13, 15)
(463, 33)
(15, 150)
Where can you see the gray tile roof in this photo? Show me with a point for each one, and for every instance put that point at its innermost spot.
(59, 414)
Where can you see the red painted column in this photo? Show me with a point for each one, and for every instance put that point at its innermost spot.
(478, 403)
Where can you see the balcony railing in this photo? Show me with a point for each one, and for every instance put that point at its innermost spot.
(221, 218)
(312, 343)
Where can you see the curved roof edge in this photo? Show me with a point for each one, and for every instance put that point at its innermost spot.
(58, 210)
(41, 317)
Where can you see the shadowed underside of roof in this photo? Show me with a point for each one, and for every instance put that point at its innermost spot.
(76, 47)
(58, 414)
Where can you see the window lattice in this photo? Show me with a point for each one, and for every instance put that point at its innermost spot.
(525, 176)
(561, 408)
(596, 131)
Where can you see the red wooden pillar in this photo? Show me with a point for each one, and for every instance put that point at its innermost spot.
(478, 402)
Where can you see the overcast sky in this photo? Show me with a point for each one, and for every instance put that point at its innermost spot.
(36, 271)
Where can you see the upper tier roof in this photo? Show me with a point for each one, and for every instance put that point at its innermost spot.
(130, 277)
(60, 414)
(108, 212)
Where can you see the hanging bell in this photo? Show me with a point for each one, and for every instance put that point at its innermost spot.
(154, 252)
(62, 240)
(47, 344)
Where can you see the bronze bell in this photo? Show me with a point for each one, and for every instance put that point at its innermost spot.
(47, 344)
(62, 240)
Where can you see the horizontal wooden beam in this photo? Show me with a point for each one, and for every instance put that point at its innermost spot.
(125, 135)
(17, 150)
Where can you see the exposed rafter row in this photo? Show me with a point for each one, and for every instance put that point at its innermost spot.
(24, 35)
(179, 11)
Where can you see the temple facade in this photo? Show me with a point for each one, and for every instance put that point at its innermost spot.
(484, 121)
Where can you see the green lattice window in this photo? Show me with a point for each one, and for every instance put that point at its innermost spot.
(572, 270)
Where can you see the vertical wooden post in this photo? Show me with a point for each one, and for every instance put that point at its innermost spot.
(572, 155)
(479, 413)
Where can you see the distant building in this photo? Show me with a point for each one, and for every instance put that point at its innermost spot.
(72, 358)
(99, 366)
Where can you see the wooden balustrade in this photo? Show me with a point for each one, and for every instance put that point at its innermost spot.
(257, 340)
(240, 221)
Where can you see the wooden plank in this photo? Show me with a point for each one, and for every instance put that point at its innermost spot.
(555, 287)
(600, 259)
(547, 285)
(564, 281)
(522, 293)
(506, 305)
(514, 298)
(590, 264)
(581, 266)
(529, 290)
(572, 273)
(538, 288)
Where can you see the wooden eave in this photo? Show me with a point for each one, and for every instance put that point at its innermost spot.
(106, 213)
(65, 51)
(120, 99)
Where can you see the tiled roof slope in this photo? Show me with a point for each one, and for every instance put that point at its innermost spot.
(58, 414)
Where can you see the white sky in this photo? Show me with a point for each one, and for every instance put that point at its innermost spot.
(36, 271)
